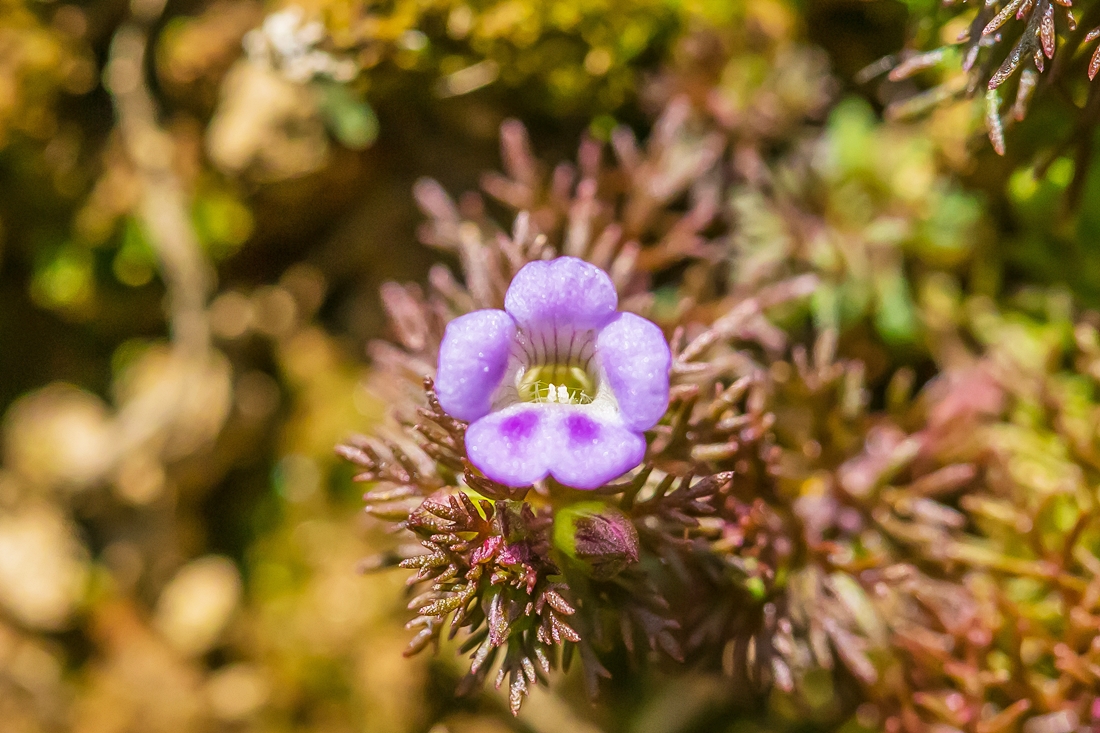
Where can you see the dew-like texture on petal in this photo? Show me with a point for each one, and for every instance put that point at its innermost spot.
(562, 293)
(636, 360)
(559, 311)
(472, 361)
(515, 446)
(592, 452)
(523, 443)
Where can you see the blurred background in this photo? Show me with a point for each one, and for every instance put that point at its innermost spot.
(198, 204)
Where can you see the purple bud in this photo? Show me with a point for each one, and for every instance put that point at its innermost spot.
(598, 537)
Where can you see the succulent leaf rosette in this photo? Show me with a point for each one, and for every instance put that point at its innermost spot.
(573, 477)
(558, 383)
(841, 560)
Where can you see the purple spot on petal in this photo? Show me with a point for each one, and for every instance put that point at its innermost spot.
(519, 427)
(590, 451)
(512, 447)
(581, 429)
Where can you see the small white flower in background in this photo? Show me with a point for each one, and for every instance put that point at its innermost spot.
(287, 42)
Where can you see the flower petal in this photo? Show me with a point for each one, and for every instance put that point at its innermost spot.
(635, 358)
(472, 360)
(514, 446)
(562, 293)
(590, 451)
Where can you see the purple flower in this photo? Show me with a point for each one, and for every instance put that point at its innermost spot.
(558, 382)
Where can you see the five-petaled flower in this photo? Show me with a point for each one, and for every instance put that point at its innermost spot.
(559, 382)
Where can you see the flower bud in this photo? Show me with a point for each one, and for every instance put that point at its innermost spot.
(598, 537)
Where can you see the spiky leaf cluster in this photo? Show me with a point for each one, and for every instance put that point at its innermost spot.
(914, 563)
(487, 565)
(1005, 53)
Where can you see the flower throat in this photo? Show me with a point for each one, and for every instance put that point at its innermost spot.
(560, 383)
